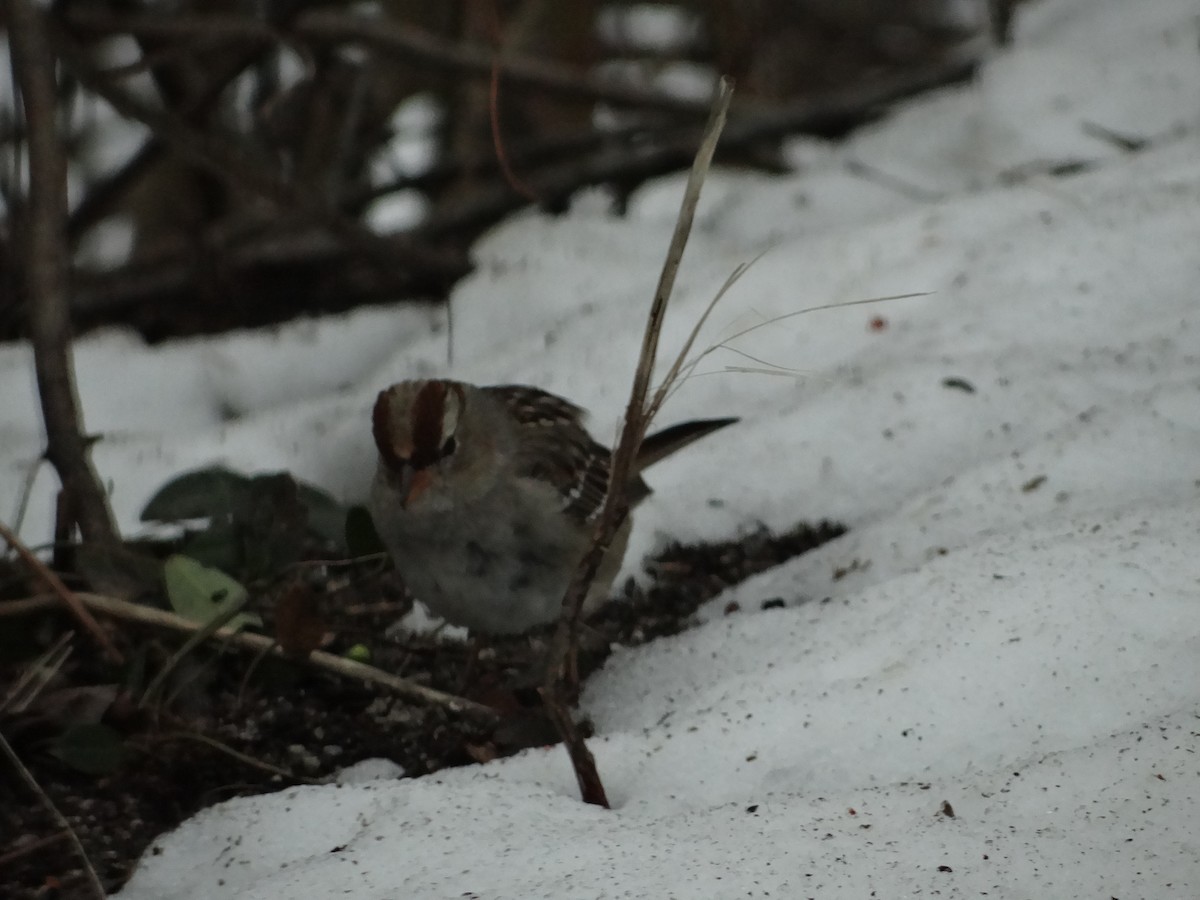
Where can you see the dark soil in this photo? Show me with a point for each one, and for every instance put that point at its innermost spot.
(228, 722)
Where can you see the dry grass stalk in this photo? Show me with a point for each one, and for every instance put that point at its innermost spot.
(561, 677)
(39, 673)
(34, 675)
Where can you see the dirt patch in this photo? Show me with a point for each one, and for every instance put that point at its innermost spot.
(235, 728)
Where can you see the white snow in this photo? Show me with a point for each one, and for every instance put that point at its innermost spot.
(1012, 624)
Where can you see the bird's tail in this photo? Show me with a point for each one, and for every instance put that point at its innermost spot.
(663, 443)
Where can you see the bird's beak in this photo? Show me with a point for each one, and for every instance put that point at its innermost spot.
(414, 485)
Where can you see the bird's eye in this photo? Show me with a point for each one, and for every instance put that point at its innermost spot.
(449, 446)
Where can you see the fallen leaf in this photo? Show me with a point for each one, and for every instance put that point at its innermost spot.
(298, 624)
(200, 593)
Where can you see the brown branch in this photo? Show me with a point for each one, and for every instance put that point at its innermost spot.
(223, 154)
(207, 27)
(46, 272)
(434, 52)
(261, 643)
(167, 278)
(395, 38)
(63, 593)
(401, 40)
(841, 109)
(252, 265)
(833, 113)
(559, 672)
(167, 55)
(103, 196)
(627, 156)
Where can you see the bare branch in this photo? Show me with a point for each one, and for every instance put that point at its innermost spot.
(64, 594)
(658, 153)
(104, 195)
(223, 155)
(626, 157)
(209, 28)
(261, 643)
(426, 48)
(46, 272)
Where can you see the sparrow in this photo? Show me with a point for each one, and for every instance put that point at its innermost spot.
(486, 498)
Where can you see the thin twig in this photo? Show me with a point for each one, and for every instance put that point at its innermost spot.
(64, 594)
(506, 169)
(37, 675)
(252, 668)
(18, 518)
(255, 643)
(197, 637)
(27, 776)
(46, 272)
(33, 847)
(565, 643)
(434, 52)
(244, 758)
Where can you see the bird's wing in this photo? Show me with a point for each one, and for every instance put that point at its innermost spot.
(534, 407)
(554, 447)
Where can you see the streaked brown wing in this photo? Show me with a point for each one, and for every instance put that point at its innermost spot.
(531, 406)
(578, 470)
(555, 448)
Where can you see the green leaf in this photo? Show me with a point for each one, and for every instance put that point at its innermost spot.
(257, 525)
(361, 537)
(204, 493)
(93, 749)
(201, 594)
